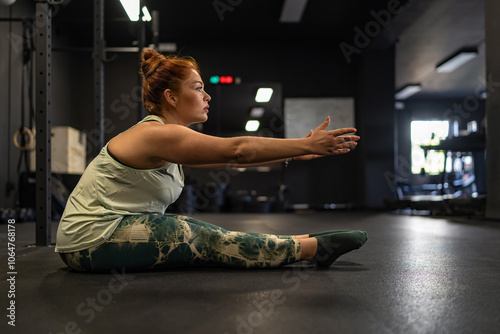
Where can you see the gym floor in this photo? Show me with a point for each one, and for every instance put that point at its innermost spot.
(416, 274)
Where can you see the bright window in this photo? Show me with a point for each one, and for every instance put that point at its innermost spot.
(427, 133)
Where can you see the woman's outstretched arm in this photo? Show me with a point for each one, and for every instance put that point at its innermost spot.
(290, 159)
(188, 147)
(179, 144)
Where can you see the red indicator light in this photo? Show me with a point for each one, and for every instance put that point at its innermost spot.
(226, 79)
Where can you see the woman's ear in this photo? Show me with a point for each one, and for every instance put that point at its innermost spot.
(169, 97)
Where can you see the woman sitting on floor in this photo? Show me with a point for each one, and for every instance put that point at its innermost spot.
(115, 217)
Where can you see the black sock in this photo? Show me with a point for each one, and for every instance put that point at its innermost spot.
(332, 246)
(316, 234)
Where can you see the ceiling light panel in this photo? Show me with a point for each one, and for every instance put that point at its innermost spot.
(456, 61)
(132, 8)
(407, 91)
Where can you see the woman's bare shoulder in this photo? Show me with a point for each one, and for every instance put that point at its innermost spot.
(131, 148)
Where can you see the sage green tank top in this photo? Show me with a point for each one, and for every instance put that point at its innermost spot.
(109, 190)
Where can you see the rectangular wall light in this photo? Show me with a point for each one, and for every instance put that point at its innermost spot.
(407, 91)
(292, 11)
(252, 126)
(263, 95)
(456, 61)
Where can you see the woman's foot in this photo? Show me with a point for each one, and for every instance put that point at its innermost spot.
(332, 246)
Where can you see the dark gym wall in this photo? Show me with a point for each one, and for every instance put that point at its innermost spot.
(375, 118)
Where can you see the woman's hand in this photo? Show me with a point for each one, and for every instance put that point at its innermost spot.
(330, 142)
(308, 156)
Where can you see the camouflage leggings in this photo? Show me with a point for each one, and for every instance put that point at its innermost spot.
(167, 241)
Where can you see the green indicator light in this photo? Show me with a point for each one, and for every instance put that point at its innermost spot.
(214, 80)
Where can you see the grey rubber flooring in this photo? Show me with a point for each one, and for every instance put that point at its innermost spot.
(414, 275)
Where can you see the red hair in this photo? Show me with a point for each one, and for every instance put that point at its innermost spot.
(160, 73)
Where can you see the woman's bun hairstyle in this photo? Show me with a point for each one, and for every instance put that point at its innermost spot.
(160, 73)
(147, 65)
(148, 53)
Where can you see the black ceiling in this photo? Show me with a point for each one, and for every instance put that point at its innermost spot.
(195, 20)
(425, 32)
(439, 29)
